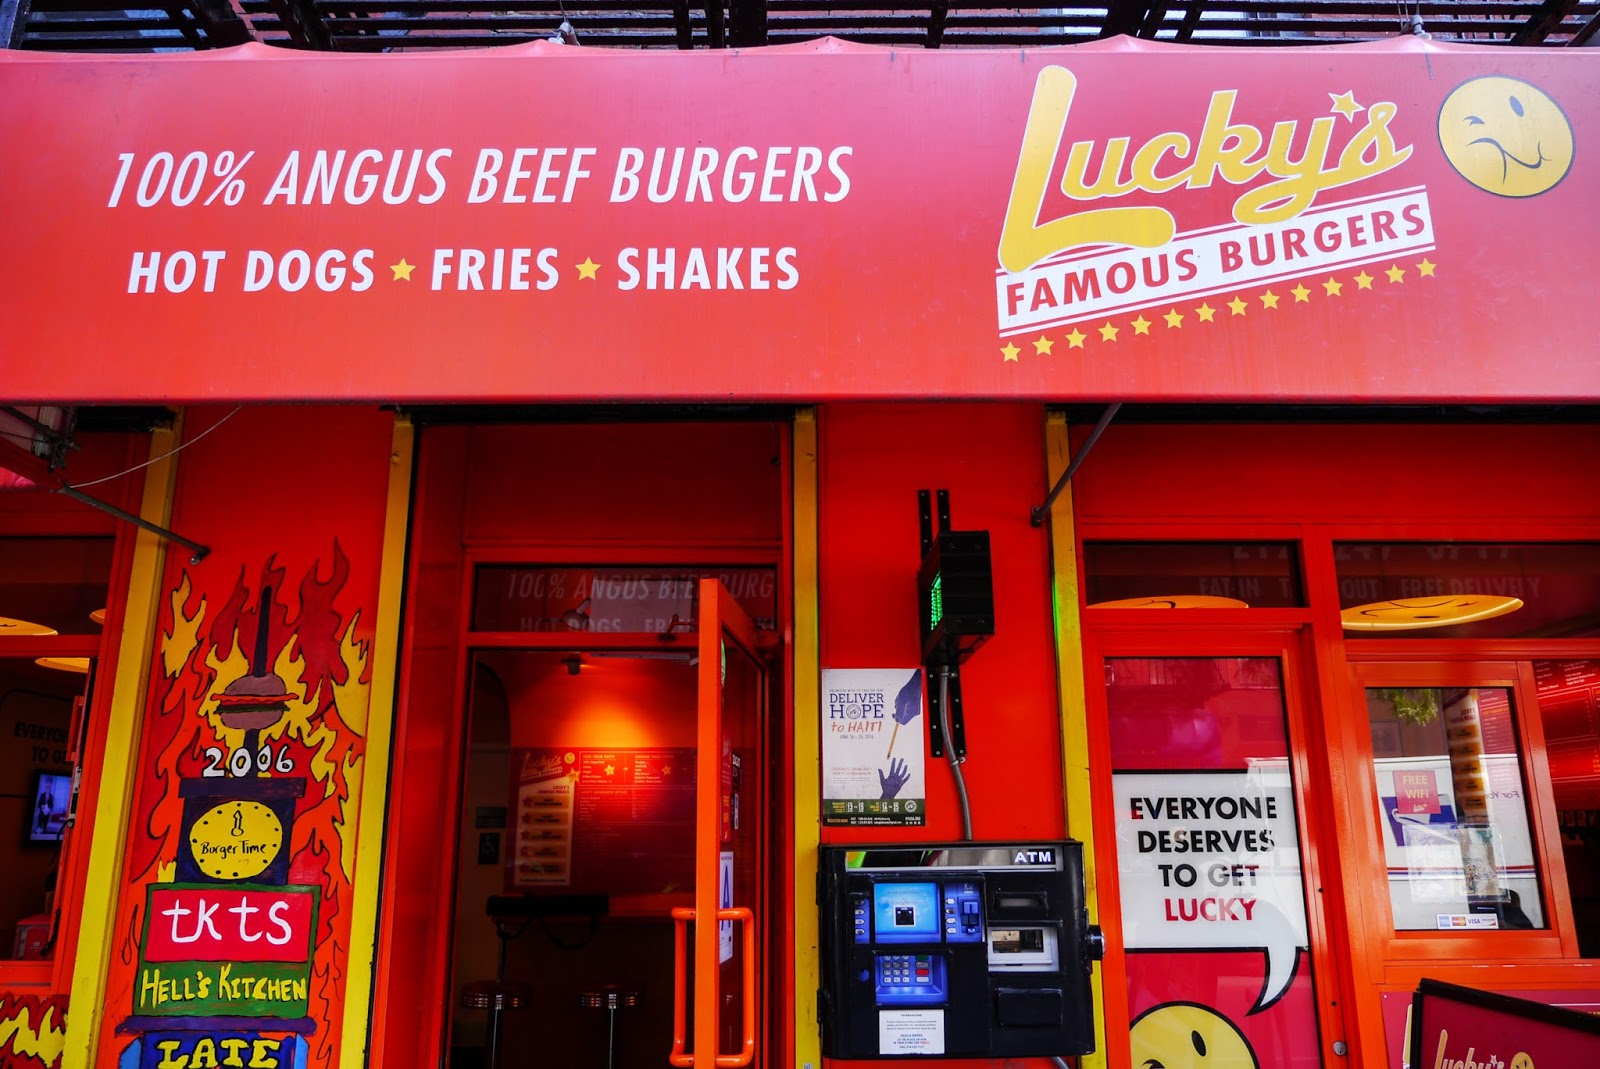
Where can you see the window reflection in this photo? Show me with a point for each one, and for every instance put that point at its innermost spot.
(1455, 819)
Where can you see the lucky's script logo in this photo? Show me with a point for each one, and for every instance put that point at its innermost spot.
(1069, 254)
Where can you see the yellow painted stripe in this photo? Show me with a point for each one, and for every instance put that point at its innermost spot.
(118, 765)
(356, 1030)
(1070, 688)
(807, 729)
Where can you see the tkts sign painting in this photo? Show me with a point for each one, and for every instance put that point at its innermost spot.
(1404, 221)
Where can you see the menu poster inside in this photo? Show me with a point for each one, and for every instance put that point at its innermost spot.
(873, 741)
(607, 821)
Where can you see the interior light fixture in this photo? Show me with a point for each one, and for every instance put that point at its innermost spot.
(577, 619)
(1174, 601)
(1414, 614)
(98, 616)
(79, 665)
(10, 626)
(574, 664)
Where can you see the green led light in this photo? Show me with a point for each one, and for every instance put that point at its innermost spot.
(935, 601)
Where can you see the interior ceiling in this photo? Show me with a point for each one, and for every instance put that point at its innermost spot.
(395, 25)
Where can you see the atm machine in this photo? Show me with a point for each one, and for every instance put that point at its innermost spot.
(956, 950)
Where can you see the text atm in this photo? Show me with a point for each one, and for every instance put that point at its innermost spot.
(955, 950)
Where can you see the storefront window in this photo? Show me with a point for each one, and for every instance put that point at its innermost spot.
(53, 595)
(1469, 589)
(1208, 857)
(1569, 709)
(1456, 834)
(655, 600)
(1257, 575)
(40, 706)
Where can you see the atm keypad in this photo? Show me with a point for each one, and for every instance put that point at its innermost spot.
(899, 970)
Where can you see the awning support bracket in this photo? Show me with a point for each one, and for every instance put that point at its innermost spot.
(198, 552)
(1041, 511)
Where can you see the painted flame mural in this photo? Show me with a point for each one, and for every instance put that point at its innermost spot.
(233, 925)
(227, 722)
(32, 1030)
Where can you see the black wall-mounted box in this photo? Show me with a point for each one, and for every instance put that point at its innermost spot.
(956, 590)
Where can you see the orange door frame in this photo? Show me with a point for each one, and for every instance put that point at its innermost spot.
(432, 980)
(1199, 633)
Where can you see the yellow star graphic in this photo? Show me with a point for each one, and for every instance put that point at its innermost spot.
(1333, 287)
(402, 270)
(611, 770)
(1174, 319)
(1141, 325)
(1238, 306)
(1301, 294)
(587, 269)
(1206, 312)
(1396, 273)
(1425, 268)
(1010, 351)
(1363, 281)
(1108, 332)
(1075, 339)
(1269, 300)
(1345, 104)
(1042, 346)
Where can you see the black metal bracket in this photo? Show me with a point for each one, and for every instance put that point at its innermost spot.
(1037, 516)
(958, 725)
(926, 517)
(197, 553)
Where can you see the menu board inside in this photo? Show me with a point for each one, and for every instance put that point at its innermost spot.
(602, 821)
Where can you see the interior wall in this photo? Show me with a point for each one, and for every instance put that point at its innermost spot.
(531, 700)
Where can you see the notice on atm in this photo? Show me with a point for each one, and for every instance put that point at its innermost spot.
(911, 1032)
(872, 746)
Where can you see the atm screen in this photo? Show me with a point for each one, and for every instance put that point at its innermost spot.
(905, 912)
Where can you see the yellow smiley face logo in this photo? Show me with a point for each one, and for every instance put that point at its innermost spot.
(1185, 1035)
(1521, 1061)
(1505, 136)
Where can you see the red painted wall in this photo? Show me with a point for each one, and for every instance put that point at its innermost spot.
(991, 458)
(1311, 473)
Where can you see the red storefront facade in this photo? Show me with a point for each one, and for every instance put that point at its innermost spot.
(451, 373)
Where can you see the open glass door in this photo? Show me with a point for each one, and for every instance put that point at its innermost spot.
(726, 947)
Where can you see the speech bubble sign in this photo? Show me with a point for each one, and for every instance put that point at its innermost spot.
(1211, 861)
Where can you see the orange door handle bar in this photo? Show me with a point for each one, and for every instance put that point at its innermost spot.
(680, 979)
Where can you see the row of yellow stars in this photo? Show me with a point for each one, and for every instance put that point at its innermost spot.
(1207, 314)
(402, 270)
